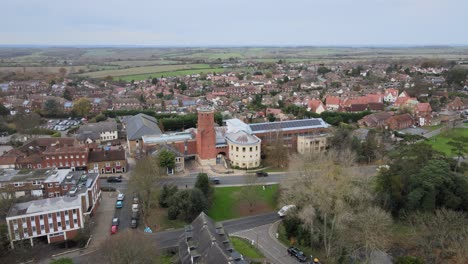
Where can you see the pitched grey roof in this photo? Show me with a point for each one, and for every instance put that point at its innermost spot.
(207, 242)
(94, 130)
(141, 125)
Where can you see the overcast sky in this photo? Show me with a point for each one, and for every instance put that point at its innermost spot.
(234, 22)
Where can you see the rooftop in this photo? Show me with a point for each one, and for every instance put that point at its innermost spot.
(288, 125)
(141, 125)
(242, 138)
(166, 138)
(44, 205)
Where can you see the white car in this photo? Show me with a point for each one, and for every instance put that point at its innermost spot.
(120, 197)
(284, 210)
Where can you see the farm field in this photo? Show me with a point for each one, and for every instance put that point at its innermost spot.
(440, 142)
(138, 77)
(144, 70)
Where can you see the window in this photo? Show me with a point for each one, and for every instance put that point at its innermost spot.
(60, 157)
(75, 221)
(42, 227)
(66, 212)
(251, 149)
(107, 164)
(50, 185)
(41, 217)
(47, 158)
(34, 229)
(77, 163)
(39, 166)
(82, 156)
(61, 164)
(19, 184)
(65, 187)
(66, 157)
(67, 223)
(36, 182)
(74, 211)
(243, 149)
(59, 224)
(32, 218)
(50, 226)
(57, 214)
(49, 215)
(53, 157)
(117, 163)
(237, 148)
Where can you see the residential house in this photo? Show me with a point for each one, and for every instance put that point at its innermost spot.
(457, 104)
(204, 241)
(376, 120)
(423, 113)
(107, 161)
(398, 122)
(332, 103)
(316, 106)
(98, 132)
(391, 95)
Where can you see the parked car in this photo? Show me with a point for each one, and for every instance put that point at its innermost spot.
(115, 221)
(114, 229)
(134, 223)
(119, 204)
(215, 180)
(284, 210)
(114, 179)
(299, 255)
(135, 208)
(136, 200)
(120, 197)
(262, 174)
(135, 215)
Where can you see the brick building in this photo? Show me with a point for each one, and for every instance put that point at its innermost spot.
(58, 218)
(107, 161)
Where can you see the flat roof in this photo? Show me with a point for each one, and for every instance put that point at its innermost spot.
(165, 138)
(288, 125)
(44, 205)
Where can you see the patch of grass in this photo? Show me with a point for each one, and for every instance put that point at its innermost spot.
(145, 76)
(432, 128)
(274, 169)
(226, 201)
(144, 70)
(245, 248)
(158, 221)
(165, 259)
(440, 142)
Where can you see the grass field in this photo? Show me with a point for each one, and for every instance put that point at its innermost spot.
(145, 76)
(227, 205)
(440, 142)
(144, 70)
(158, 221)
(247, 250)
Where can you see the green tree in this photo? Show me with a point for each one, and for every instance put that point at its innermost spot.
(187, 204)
(166, 194)
(82, 107)
(100, 117)
(166, 159)
(67, 95)
(51, 107)
(182, 86)
(24, 122)
(154, 81)
(3, 110)
(456, 76)
(203, 183)
(323, 70)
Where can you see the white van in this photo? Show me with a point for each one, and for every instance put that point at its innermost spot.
(134, 207)
(284, 210)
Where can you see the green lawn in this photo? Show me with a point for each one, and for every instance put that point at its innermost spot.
(432, 128)
(226, 202)
(138, 77)
(245, 248)
(440, 142)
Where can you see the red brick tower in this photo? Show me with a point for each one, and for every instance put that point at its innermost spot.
(206, 136)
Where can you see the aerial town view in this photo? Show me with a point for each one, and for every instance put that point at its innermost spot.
(217, 132)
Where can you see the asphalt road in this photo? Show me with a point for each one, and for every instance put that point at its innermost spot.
(169, 239)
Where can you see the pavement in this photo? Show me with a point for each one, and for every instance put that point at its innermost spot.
(264, 238)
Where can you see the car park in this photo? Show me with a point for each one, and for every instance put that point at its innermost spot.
(215, 180)
(120, 197)
(284, 210)
(299, 255)
(262, 174)
(119, 204)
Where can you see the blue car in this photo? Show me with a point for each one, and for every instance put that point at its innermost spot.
(119, 204)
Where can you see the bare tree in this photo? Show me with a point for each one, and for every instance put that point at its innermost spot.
(276, 151)
(128, 247)
(249, 192)
(144, 181)
(326, 193)
(441, 234)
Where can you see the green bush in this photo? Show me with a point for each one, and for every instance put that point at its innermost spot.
(409, 260)
(56, 134)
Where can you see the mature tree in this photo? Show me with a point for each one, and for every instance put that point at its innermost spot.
(275, 151)
(323, 70)
(420, 178)
(441, 234)
(187, 204)
(82, 107)
(24, 122)
(327, 192)
(249, 192)
(128, 247)
(203, 183)
(456, 76)
(369, 148)
(67, 94)
(166, 194)
(3, 110)
(166, 159)
(459, 147)
(144, 180)
(51, 107)
(154, 81)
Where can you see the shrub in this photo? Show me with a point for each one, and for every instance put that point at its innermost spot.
(166, 194)
(409, 260)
